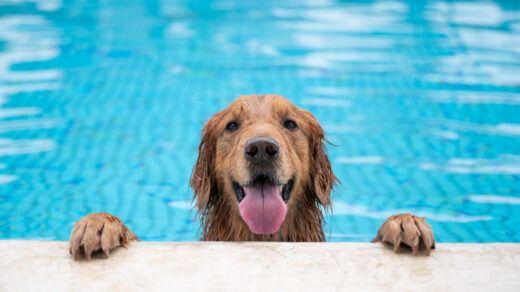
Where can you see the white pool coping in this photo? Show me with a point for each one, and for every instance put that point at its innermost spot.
(218, 266)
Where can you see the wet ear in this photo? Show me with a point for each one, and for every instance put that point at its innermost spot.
(322, 177)
(203, 180)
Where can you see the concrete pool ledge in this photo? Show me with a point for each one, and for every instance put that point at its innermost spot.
(219, 266)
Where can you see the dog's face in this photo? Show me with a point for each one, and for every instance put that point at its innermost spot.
(262, 155)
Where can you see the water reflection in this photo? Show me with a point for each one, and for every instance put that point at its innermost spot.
(28, 39)
(505, 164)
(422, 99)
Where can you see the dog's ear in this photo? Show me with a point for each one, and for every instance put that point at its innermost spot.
(322, 177)
(203, 181)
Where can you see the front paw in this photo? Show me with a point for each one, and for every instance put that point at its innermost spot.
(98, 231)
(408, 229)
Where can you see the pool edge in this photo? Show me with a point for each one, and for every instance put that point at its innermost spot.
(257, 266)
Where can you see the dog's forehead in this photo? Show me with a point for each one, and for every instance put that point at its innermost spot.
(261, 106)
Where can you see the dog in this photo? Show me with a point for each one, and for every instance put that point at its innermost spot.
(262, 174)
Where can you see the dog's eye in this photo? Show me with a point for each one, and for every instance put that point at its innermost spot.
(290, 124)
(232, 126)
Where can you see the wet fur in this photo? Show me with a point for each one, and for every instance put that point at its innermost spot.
(219, 159)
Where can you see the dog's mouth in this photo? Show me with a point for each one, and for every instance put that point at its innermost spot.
(263, 203)
(285, 191)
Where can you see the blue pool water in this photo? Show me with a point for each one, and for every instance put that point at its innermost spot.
(101, 103)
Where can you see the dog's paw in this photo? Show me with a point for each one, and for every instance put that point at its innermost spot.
(98, 231)
(407, 229)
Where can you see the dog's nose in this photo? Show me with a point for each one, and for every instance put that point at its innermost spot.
(261, 150)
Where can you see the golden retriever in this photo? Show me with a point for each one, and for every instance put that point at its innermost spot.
(262, 174)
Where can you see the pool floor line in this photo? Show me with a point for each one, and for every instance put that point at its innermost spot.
(256, 266)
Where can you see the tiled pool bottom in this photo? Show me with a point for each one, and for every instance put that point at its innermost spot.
(101, 104)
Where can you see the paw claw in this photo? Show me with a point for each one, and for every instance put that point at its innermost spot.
(98, 231)
(88, 252)
(409, 230)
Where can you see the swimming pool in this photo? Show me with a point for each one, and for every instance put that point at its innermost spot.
(101, 104)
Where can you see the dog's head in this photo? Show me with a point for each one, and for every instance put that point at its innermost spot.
(262, 155)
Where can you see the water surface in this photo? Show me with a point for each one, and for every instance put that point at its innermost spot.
(101, 103)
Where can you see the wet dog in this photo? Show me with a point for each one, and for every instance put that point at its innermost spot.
(262, 174)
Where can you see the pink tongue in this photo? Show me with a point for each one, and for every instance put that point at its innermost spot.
(263, 209)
